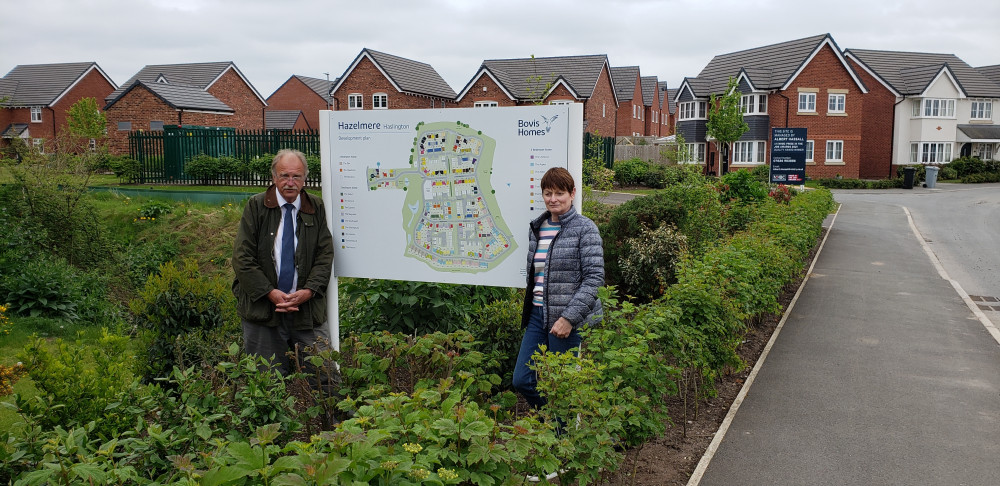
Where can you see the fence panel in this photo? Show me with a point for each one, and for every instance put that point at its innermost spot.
(163, 155)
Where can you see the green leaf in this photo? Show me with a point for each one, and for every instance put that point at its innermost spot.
(249, 457)
(203, 431)
(446, 427)
(223, 475)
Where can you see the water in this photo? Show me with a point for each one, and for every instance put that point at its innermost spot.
(205, 197)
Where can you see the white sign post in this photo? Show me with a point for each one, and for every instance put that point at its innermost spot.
(440, 195)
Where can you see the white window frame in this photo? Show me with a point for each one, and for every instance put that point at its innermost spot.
(982, 109)
(930, 152)
(983, 150)
(836, 103)
(753, 104)
(355, 101)
(834, 151)
(807, 102)
(485, 104)
(810, 151)
(92, 145)
(695, 153)
(380, 101)
(691, 110)
(749, 152)
(36, 114)
(938, 108)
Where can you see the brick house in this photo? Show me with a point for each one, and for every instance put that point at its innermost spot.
(651, 106)
(299, 94)
(804, 83)
(668, 110)
(214, 94)
(632, 111)
(36, 98)
(380, 81)
(936, 106)
(547, 80)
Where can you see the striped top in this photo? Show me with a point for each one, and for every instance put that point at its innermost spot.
(546, 234)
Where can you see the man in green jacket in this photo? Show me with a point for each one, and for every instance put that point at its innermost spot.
(283, 257)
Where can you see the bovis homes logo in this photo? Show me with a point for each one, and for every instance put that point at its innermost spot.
(536, 127)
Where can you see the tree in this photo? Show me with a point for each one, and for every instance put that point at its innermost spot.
(677, 152)
(725, 120)
(85, 119)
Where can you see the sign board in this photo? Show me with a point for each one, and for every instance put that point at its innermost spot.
(442, 195)
(788, 156)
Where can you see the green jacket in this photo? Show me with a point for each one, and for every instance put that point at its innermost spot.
(253, 260)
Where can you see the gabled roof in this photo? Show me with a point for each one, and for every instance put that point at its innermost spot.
(624, 78)
(44, 84)
(321, 87)
(668, 95)
(192, 75)
(991, 72)
(767, 68)
(650, 93)
(406, 75)
(520, 77)
(910, 73)
(181, 97)
(282, 119)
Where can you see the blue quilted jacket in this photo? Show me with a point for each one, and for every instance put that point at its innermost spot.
(574, 269)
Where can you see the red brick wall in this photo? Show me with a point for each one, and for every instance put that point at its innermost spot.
(825, 72)
(295, 95)
(627, 124)
(366, 79)
(876, 144)
(599, 110)
(232, 90)
(651, 128)
(484, 89)
(140, 107)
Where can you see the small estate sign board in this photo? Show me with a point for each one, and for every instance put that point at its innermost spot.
(788, 156)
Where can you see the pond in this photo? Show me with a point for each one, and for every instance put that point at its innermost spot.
(204, 197)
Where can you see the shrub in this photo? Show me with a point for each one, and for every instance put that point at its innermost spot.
(176, 302)
(124, 167)
(261, 166)
(648, 260)
(981, 178)
(203, 167)
(155, 209)
(742, 186)
(965, 166)
(948, 173)
(630, 172)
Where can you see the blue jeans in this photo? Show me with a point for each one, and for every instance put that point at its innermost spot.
(535, 335)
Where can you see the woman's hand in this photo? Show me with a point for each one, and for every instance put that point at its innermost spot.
(561, 328)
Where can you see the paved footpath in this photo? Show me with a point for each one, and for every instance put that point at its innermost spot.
(881, 375)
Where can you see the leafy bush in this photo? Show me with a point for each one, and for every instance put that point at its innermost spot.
(648, 260)
(410, 307)
(630, 172)
(155, 209)
(862, 184)
(203, 167)
(78, 383)
(124, 167)
(261, 166)
(694, 209)
(141, 259)
(781, 194)
(742, 186)
(981, 178)
(176, 302)
(965, 166)
(948, 173)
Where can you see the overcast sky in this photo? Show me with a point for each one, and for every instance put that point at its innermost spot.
(272, 40)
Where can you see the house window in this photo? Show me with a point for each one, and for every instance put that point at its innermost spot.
(92, 145)
(810, 150)
(754, 104)
(691, 110)
(807, 102)
(695, 153)
(485, 104)
(939, 108)
(748, 152)
(560, 102)
(124, 126)
(380, 101)
(38, 144)
(836, 103)
(604, 108)
(36, 114)
(982, 150)
(834, 150)
(156, 126)
(982, 110)
(930, 153)
(355, 101)
(634, 110)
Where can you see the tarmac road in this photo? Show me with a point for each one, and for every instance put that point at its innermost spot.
(881, 373)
